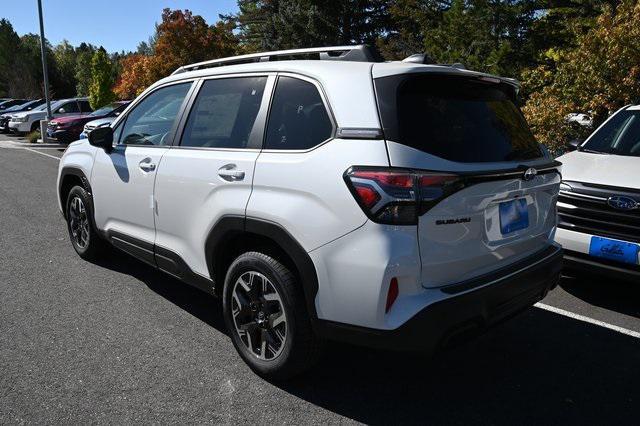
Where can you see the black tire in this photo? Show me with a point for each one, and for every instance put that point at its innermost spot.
(35, 126)
(85, 239)
(301, 347)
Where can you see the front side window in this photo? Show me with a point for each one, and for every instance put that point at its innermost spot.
(224, 113)
(151, 121)
(298, 118)
(69, 107)
(620, 135)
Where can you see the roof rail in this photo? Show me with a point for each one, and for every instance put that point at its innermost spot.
(359, 53)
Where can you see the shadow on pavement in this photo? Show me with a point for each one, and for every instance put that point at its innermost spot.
(196, 302)
(618, 296)
(538, 368)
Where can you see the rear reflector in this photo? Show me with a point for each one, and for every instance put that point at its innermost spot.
(392, 295)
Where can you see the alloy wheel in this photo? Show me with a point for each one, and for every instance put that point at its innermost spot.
(259, 316)
(79, 223)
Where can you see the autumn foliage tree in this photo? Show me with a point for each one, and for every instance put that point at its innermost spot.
(598, 76)
(181, 38)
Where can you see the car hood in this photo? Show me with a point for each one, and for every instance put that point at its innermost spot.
(100, 121)
(30, 114)
(604, 169)
(69, 118)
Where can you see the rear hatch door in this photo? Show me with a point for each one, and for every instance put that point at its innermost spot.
(500, 208)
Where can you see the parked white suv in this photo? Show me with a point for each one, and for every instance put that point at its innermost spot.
(599, 202)
(29, 121)
(395, 205)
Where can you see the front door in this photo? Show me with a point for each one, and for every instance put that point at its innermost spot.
(122, 180)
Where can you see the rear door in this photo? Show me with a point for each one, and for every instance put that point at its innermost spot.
(209, 174)
(500, 205)
(85, 107)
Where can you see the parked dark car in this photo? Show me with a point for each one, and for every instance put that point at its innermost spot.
(67, 129)
(11, 102)
(6, 114)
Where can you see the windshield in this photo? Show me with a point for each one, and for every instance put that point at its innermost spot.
(16, 107)
(454, 118)
(104, 110)
(620, 135)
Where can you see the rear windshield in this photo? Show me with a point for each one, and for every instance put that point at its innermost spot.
(458, 119)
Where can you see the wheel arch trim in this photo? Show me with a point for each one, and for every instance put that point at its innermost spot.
(234, 225)
(79, 173)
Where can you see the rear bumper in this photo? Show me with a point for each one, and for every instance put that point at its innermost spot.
(463, 309)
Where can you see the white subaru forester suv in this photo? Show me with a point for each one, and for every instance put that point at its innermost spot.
(397, 205)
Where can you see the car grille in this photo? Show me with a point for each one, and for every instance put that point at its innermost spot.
(52, 126)
(585, 209)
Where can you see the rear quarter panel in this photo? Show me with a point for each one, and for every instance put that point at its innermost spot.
(305, 192)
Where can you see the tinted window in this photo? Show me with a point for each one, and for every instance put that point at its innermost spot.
(151, 121)
(224, 113)
(455, 118)
(298, 118)
(620, 135)
(85, 106)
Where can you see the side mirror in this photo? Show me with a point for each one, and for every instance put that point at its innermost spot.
(574, 144)
(102, 137)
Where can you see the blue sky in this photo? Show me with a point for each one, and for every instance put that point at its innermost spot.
(114, 24)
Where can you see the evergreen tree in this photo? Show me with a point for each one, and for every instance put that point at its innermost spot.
(282, 24)
(102, 80)
(83, 68)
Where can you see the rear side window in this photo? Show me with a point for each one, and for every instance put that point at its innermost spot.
(85, 106)
(458, 119)
(224, 113)
(298, 118)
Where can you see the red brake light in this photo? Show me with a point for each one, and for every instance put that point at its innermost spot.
(398, 196)
(387, 178)
(368, 196)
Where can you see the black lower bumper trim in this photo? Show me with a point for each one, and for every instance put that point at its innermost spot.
(588, 264)
(461, 315)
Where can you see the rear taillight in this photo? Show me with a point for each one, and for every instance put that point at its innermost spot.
(399, 196)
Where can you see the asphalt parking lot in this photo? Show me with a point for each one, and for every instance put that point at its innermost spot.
(119, 342)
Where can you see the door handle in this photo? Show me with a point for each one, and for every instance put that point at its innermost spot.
(147, 165)
(230, 173)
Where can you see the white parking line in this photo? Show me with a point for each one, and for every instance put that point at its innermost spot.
(589, 320)
(42, 153)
